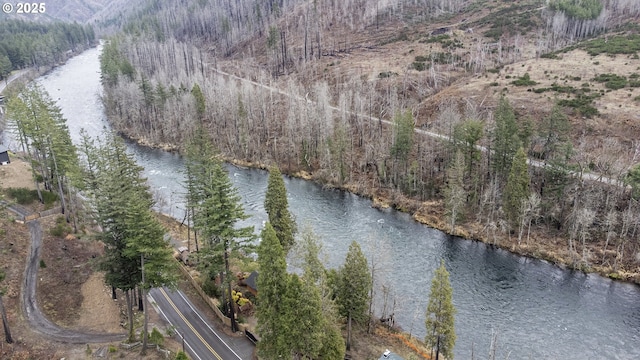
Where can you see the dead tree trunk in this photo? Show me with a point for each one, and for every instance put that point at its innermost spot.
(5, 323)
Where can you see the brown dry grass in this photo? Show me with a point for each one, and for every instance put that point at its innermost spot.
(16, 174)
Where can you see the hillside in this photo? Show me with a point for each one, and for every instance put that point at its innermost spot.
(315, 88)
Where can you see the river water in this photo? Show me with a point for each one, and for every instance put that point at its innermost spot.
(538, 310)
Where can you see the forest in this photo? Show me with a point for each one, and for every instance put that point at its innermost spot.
(267, 97)
(29, 44)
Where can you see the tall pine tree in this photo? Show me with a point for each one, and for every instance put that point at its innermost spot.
(441, 335)
(505, 140)
(517, 189)
(272, 288)
(277, 207)
(133, 237)
(353, 288)
(455, 194)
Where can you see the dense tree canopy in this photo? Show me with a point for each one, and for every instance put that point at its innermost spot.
(578, 9)
(26, 44)
(136, 249)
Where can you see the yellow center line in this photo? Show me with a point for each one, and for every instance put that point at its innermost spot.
(189, 324)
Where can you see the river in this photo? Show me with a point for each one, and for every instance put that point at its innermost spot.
(538, 310)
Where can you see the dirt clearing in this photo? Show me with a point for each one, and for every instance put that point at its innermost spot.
(16, 174)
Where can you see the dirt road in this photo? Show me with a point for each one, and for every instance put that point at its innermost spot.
(30, 306)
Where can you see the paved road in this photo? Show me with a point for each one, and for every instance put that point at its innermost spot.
(200, 340)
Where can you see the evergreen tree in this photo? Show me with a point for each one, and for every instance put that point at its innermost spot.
(215, 207)
(455, 194)
(353, 288)
(304, 325)
(145, 245)
(466, 135)
(136, 254)
(441, 335)
(277, 206)
(309, 249)
(45, 136)
(200, 101)
(403, 136)
(505, 141)
(5, 66)
(332, 343)
(633, 179)
(517, 189)
(272, 286)
(217, 215)
(554, 132)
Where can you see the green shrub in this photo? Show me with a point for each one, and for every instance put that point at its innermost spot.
(612, 81)
(583, 104)
(494, 84)
(552, 55)
(23, 196)
(42, 264)
(420, 66)
(452, 44)
(524, 81)
(113, 349)
(438, 38)
(634, 83)
(386, 74)
(444, 58)
(563, 89)
(156, 337)
(210, 288)
(421, 58)
(49, 198)
(613, 45)
(181, 356)
(57, 231)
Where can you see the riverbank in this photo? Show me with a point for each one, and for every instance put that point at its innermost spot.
(541, 244)
(23, 76)
(366, 345)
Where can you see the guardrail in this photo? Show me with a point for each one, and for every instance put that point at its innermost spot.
(213, 303)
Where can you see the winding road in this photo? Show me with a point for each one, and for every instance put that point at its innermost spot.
(34, 315)
(29, 304)
(200, 340)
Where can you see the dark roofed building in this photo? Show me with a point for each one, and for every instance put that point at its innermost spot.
(4, 155)
(252, 282)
